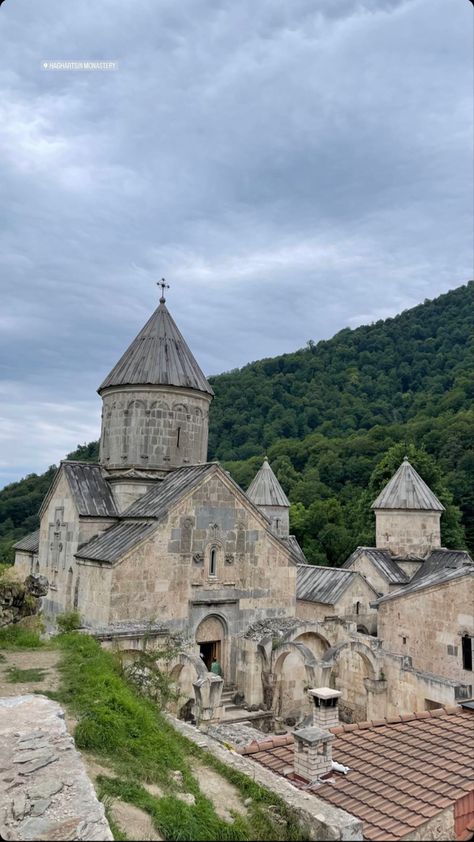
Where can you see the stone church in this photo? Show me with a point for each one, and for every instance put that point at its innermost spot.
(155, 541)
(154, 536)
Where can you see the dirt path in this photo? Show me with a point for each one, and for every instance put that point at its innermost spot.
(37, 659)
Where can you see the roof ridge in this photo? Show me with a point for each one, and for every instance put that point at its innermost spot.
(445, 710)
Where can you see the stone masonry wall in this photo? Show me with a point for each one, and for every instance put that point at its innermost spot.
(407, 532)
(154, 428)
(346, 607)
(428, 626)
(44, 789)
(168, 577)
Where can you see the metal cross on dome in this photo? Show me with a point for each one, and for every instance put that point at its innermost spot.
(163, 286)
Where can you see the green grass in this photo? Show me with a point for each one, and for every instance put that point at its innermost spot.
(17, 676)
(18, 636)
(130, 734)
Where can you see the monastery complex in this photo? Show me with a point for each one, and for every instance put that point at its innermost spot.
(155, 543)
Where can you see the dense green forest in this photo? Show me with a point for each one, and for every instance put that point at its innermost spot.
(335, 418)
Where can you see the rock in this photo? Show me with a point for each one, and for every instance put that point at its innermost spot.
(177, 777)
(187, 797)
(40, 806)
(44, 789)
(34, 765)
(248, 802)
(19, 806)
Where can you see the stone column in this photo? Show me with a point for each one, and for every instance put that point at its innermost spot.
(208, 692)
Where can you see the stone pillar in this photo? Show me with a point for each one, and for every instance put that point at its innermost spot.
(325, 707)
(208, 692)
(312, 752)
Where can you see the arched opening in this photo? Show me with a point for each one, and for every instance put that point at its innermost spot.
(352, 663)
(69, 590)
(213, 562)
(211, 638)
(37, 567)
(294, 670)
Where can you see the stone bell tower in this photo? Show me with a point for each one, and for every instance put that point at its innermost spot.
(266, 493)
(407, 515)
(155, 409)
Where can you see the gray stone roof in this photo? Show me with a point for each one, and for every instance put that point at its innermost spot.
(384, 563)
(294, 547)
(407, 490)
(159, 355)
(440, 560)
(28, 544)
(265, 490)
(436, 577)
(157, 501)
(116, 541)
(322, 584)
(91, 492)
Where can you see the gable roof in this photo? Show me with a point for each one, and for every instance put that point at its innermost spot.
(116, 541)
(384, 563)
(440, 576)
(265, 490)
(440, 560)
(402, 771)
(92, 494)
(154, 505)
(90, 491)
(28, 544)
(158, 355)
(323, 584)
(157, 501)
(407, 490)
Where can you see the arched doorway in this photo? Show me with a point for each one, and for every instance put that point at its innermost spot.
(211, 635)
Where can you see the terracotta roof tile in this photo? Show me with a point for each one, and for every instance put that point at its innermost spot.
(403, 771)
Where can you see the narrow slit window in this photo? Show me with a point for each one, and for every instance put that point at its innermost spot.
(467, 652)
(213, 562)
(179, 435)
(357, 607)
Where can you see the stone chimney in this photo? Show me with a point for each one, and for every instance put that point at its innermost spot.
(325, 707)
(313, 752)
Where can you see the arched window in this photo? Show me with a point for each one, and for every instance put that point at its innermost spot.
(213, 562)
(357, 607)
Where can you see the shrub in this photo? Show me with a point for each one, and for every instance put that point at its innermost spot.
(70, 621)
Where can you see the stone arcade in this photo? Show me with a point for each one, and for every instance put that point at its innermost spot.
(155, 541)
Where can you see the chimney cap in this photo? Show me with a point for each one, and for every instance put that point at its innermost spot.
(313, 735)
(325, 693)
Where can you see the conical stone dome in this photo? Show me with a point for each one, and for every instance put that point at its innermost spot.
(266, 493)
(155, 405)
(407, 490)
(159, 355)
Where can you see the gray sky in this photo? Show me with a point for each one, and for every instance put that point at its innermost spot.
(291, 167)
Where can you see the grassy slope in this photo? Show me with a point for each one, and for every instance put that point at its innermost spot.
(130, 734)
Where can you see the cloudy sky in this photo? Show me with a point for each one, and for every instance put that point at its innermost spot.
(291, 167)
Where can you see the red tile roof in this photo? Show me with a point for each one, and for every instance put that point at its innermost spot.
(403, 771)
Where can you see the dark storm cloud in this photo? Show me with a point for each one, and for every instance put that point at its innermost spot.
(291, 168)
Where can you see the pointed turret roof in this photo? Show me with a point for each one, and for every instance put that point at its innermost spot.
(158, 356)
(407, 490)
(265, 490)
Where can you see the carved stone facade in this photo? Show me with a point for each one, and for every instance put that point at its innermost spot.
(153, 428)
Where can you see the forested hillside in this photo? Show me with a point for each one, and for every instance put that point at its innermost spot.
(326, 416)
